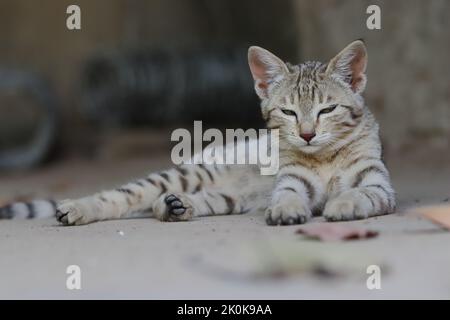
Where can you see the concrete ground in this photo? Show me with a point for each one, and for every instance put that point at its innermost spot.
(216, 257)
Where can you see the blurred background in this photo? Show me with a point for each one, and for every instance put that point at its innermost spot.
(137, 69)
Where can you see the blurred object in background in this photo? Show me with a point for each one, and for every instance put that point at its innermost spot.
(28, 120)
(105, 72)
(171, 87)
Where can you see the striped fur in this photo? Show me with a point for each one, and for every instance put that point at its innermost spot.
(338, 173)
(29, 210)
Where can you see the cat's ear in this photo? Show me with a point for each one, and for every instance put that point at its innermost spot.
(267, 70)
(350, 65)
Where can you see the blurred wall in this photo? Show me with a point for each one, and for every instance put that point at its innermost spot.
(408, 87)
(408, 73)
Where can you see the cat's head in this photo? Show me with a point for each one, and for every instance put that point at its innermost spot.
(315, 105)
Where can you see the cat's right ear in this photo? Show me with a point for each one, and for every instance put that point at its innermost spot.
(267, 70)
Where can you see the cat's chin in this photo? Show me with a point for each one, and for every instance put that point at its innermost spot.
(310, 149)
(304, 148)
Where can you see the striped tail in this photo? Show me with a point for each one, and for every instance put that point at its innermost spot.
(35, 209)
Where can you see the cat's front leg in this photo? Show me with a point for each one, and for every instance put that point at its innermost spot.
(296, 192)
(370, 194)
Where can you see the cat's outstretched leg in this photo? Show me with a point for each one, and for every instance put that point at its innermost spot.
(135, 196)
(184, 206)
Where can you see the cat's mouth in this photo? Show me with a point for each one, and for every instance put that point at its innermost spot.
(316, 143)
(313, 146)
(309, 148)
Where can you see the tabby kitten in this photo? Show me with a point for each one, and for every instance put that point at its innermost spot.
(330, 156)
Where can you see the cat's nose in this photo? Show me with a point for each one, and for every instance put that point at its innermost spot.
(307, 136)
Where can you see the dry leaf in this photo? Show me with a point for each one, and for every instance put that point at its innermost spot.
(437, 214)
(335, 232)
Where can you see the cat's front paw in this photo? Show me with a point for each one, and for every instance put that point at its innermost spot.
(288, 213)
(74, 212)
(173, 207)
(348, 206)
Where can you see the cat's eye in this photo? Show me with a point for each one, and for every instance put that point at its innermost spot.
(289, 112)
(328, 110)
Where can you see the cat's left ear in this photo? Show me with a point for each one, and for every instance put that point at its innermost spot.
(267, 70)
(350, 65)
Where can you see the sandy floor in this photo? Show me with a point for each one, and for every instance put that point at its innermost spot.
(217, 257)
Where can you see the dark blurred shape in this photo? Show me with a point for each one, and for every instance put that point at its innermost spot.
(28, 119)
(169, 87)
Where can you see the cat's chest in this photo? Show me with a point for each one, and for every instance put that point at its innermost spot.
(328, 172)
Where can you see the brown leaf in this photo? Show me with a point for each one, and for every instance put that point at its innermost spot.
(437, 214)
(335, 232)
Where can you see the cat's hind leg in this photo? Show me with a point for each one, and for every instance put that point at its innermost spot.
(135, 196)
